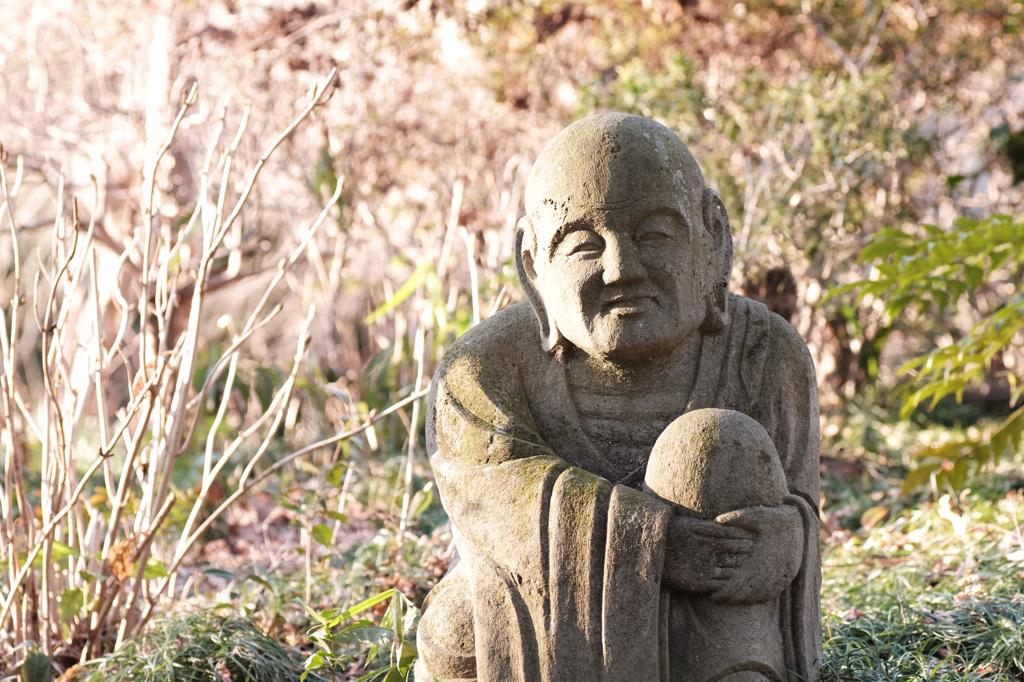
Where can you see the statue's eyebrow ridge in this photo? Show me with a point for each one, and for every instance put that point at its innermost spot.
(564, 229)
(568, 227)
(611, 205)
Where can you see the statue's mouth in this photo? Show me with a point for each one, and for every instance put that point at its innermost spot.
(627, 304)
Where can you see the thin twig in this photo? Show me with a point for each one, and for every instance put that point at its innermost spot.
(117, 505)
(176, 413)
(47, 329)
(277, 466)
(320, 95)
(251, 325)
(147, 213)
(420, 351)
(16, 583)
(141, 558)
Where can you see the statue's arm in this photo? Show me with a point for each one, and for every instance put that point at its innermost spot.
(494, 472)
(787, 405)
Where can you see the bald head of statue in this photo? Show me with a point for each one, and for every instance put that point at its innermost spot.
(623, 252)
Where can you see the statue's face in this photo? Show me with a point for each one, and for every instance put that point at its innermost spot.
(621, 282)
(619, 255)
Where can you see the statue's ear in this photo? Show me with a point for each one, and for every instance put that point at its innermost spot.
(716, 222)
(526, 257)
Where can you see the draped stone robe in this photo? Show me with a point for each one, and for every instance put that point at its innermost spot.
(564, 553)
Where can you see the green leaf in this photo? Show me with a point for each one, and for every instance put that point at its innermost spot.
(321, 534)
(71, 603)
(1010, 434)
(873, 516)
(337, 516)
(314, 662)
(394, 675)
(845, 289)
(261, 580)
(918, 476)
(154, 569)
(881, 248)
(949, 451)
(409, 652)
(87, 576)
(403, 293)
(59, 552)
(959, 474)
(315, 615)
(336, 473)
(219, 573)
(36, 668)
(369, 603)
(363, 635)
(422, 499)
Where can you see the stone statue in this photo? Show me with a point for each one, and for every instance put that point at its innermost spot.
(630, 458)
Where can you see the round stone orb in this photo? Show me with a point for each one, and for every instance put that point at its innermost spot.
(714, 461)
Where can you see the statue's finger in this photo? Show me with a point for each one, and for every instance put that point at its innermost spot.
(710, 584)
(754, 518)
(730, 560)
(729, 592)
(722, 574)
(740, 518)
(740, 547)
(723, 532)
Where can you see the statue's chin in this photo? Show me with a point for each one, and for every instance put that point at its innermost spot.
(630, 347)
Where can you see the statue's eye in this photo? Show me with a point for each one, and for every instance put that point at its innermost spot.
(655, 228)
(580, 242)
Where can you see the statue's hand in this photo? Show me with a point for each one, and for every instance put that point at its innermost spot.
(773, 561)
(702, 556)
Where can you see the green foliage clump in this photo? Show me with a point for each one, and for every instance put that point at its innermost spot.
(201, 647)
(983, 640)
(339, 642)
(928, 275)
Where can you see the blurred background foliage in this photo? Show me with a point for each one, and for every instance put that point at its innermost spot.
(820, 123)
(868, 148)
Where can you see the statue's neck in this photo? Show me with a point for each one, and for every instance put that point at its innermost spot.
(623, 409)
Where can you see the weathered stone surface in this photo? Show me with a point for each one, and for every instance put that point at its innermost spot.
(630, 458)
(713, 461)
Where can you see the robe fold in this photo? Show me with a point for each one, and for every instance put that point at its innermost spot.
(563, 554)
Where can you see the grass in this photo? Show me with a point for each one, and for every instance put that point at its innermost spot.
(201, 647)
(982, 639)
(258, 631)
(928, 586)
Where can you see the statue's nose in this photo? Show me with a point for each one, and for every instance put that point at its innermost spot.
(622, 262)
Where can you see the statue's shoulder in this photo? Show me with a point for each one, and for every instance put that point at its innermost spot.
(772, 335)
(480, 380)
(510, 335)
(773, 359)
(494, 351)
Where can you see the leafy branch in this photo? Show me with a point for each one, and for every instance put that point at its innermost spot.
(928, 275)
